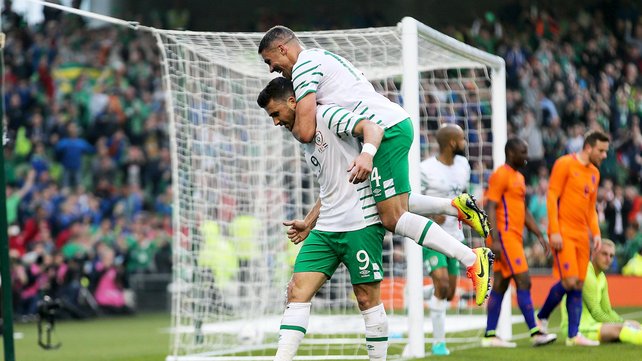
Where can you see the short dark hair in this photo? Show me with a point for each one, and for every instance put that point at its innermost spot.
(512, 143)
(593, 136)
(278, 32)
(278, 88)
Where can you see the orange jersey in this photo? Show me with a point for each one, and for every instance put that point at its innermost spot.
(507, 188)
(572, 192)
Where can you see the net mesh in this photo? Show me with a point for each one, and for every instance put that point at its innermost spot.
(237, 177)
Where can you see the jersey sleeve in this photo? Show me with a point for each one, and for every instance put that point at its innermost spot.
(497, 185)
(611, 315)
(598, 304)
(591, 296)
(556, 184)
(338, 119)
(307, 74)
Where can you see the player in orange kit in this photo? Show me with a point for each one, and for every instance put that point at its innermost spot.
(507, 214)
(572, 220)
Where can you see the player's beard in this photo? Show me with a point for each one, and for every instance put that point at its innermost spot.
(286, 74)
(460, 151)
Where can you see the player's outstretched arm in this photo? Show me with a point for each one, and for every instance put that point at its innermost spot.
(305, 125)
(361, 166)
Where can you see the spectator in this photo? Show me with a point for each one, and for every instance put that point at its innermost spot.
(532, 134)
(617, 209)
(109, 293)
(103, 166)
(70, 151)
(576, 140)
(35, 228)
(133, 167)
(141, 245)
(15, 196)
(634, 266)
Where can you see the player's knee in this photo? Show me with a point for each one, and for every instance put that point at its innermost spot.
(389, 221)
(524, 284)
(290, 291)
(389, 213)
(295, 292)
(572, 283)
(441, 287)
(365, 301)
(499, 287)
(450, 294)
(500, 283)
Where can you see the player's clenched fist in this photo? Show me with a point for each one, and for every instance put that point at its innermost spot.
(298, 230)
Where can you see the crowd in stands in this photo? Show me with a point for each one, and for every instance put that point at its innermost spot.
(566, 74)
(87, 165)
(88, 171)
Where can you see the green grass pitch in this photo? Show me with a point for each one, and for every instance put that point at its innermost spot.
(144, 338)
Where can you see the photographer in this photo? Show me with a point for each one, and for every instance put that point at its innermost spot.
(36, 281)
(109, 292)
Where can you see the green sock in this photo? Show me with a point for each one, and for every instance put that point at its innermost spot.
(631, 335)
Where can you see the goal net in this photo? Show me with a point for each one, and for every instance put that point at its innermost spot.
(237, 178)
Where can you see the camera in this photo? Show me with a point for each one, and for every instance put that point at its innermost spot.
(47, 310)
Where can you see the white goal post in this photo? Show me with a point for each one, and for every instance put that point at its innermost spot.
(237, 177)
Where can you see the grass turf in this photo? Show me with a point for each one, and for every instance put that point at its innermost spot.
(134, 338)
(142, 338)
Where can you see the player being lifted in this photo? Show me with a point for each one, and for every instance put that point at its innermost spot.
(507, 213)
(346, 225)
(572, 220)
(445, 175)
(319, 76)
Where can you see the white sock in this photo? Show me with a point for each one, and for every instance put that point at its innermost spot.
(376, 322)
(438, 315)
(293, 327)
(425, 205)
(430, 235)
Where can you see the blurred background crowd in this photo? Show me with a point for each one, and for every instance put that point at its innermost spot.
(87, 167)
(88, 163)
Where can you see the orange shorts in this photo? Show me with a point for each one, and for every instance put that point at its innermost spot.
(572, 260)
(512, 260)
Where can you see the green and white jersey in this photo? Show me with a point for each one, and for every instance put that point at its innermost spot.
(447, 181)
(336, 81)
(344, 206)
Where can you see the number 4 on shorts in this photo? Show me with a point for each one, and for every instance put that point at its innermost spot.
(374, 176)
